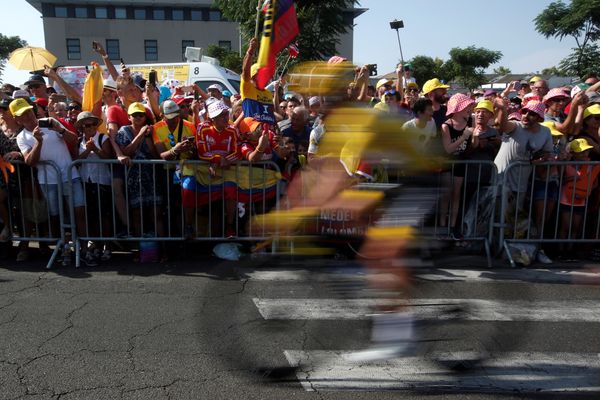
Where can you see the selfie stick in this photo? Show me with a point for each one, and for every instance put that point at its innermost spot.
(399, 44)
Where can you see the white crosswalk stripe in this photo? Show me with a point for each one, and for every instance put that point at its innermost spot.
(524, 372)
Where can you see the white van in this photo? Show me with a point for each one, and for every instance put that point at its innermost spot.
(203, 74)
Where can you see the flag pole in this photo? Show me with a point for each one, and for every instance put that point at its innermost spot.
(285, 66)
(257, 19)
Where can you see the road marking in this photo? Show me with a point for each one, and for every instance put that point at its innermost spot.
(443, 274)
(522, 372)
(478, 309)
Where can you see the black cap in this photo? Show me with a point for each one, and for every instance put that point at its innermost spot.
(36, 79)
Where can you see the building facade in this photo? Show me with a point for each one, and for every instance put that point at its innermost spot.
(140, 31)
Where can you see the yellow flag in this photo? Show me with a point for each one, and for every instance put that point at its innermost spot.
(92, 88)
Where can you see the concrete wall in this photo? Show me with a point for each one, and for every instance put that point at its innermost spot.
(131, 35)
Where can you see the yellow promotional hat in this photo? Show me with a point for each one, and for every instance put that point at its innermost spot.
(579, 145)
(136, 108)
(486, 105)
(433, 84)
(535, 79)
(19, 106)
(591, 110)
(552, 126)
(382, 82)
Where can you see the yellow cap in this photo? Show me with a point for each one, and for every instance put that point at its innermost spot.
(535, 79)
(552, 126)
(579, 145)
(594, 109)
(433, 84)
(486, 105)
(136, 108)
(19, 106)
(383, 81)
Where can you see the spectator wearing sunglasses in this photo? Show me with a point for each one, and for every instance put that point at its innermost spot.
(591, 130)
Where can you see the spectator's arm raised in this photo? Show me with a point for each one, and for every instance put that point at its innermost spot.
(68, 89)
(247, 64)
(504, 125)
(109, 65)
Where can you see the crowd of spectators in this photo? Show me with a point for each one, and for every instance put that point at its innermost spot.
(132, 124)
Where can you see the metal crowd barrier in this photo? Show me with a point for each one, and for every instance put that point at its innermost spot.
(144, 202)
(536, 207)
(27, 207)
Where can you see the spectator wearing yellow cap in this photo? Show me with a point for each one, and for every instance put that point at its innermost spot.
(590, 130)
(436, 91)
(578, 184)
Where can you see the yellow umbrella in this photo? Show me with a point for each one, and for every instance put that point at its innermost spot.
(31, 58)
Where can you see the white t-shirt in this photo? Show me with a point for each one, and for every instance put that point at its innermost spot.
(315, 137)
(406, 81)
(95, 172)
(53, 149)
(423, 135)
(519, 146)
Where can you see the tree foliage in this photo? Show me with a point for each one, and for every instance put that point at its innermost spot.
(553, 71)
(228, 58)
(469, 64)
(7, 45)
(321, 23)
(502, 70)
(580, 20)
(425, 68)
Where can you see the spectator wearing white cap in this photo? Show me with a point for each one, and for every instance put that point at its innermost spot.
(215, 90)
(217, 144)
(314, 107)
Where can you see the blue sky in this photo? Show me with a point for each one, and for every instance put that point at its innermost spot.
(504, 25)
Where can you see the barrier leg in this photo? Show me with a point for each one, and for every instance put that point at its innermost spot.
(488, 253)
(54, 254)
(510, 259)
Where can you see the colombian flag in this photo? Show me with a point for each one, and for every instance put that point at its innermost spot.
(280, 27)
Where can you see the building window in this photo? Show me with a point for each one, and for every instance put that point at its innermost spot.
(214, 15)
(226, 44)
(60, 12)
(184, 44)
(101, 12)
(151, 50)
(196, 15)
(139, 13)
(120, 13)
(177, 14)
(158, 13)
(112, 49)
(81, 12)
(73, 49)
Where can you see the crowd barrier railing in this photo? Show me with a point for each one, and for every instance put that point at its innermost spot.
(551, 202)
(166, 201)
(27, 206)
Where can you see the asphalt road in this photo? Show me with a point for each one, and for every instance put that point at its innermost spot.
(200, 330)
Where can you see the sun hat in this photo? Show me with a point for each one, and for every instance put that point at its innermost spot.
(86, 115)
(536, 106)
(110, 84)
(314, 100)
(215, 86)
(432, 85)
(516, 116)
(458, 103)
(579, 145)
(555, 93)
(489, 92)
(36, 79)
(216, 108)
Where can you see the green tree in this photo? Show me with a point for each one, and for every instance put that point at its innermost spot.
(468, 64)
(580, 20)
(502, 70)
(425, 68)
(553, 71)
(321, 23)
(228, 58)
(7, 45)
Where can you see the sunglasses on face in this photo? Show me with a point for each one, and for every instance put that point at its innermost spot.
(138, 115)
(529, 114)
(35, 86)
(88, 125)
(71, 108)
(413, 90)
